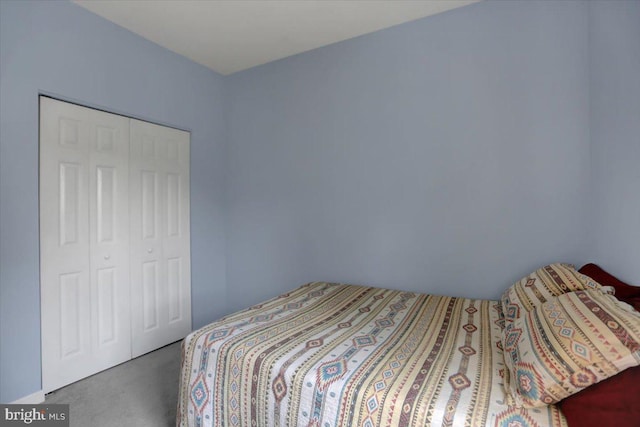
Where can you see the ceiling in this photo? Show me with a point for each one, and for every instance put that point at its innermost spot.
(233, 35)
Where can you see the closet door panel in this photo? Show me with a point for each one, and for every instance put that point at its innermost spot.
(64, 243)
(109, 238)
(177, 233)
(84, 298)
(159, 202)
(147, 287)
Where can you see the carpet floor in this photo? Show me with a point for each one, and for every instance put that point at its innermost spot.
(142, 393)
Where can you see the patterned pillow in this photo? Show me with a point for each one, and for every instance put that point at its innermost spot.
(542, 285)
(538, 287)
(569, 343)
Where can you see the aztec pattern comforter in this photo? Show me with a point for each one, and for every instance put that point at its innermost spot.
(342, 355)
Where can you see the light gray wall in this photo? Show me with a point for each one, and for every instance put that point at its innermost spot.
(614, 33)
(61, 49)
(447, 155)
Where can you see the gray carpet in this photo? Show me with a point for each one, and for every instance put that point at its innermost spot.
(142, 392)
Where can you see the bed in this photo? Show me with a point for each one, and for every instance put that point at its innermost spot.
(328, 354)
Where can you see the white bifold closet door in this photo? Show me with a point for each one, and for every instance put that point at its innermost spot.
(114, 239)
(84, 172)
(160, 245)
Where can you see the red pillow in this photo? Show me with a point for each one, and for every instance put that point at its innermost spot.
(623, 290)
(615, 401)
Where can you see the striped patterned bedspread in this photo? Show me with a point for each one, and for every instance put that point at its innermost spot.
(342, 355)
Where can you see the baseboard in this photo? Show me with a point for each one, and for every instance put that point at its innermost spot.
(32, 399)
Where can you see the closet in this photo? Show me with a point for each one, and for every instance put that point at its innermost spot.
(115, 279)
